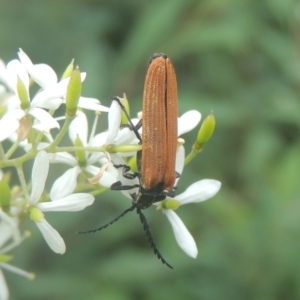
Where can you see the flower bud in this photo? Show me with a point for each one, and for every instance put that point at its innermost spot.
(170, 204)
(68, 72)
(4, 258)
(36, 215)
(132, 163)
(5, 196)
(80, 153)
(124, 119)
(23, 94)
(73, 93)
(205, 132)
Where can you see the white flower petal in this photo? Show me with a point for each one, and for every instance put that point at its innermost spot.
(199, 191)
(16, 270)
(45, 120)
(48, 103)
(114, 119)
(73, 202)
(188, 121)
(10, 123)
(180, 155)
(63, 157)
(183, 237)
(9, 229)
(6, 233)
(39, 175)
(79, 126)
(16, 70)
(125, 136)
(99, 139)
(56, 91)
(92, 104)
(52, 237)
(42, 74)
(95, 157)
(4, 75)
(65, 184)
(12, 102)
(4, 292)
(107, 178)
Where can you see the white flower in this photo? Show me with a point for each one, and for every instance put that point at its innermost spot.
(15, 72)
(55, 91)
(51, 95)
(117, 136)
(10, 237)
(197, 192)
(59, 202)
(105, 176)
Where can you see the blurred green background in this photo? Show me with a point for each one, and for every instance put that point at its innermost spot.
(240, 59)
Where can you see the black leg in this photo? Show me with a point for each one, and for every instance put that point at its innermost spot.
(125, 173)
(117, 186)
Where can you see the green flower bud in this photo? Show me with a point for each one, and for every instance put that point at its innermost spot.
(23, 94)
(36, 215)
(80, 153)
(73, 93)
(111, 148)
(5, 196)
(124, 119)
(132, 164)
(170, 204)
(68, 72)
(205, 132)
(4, 258)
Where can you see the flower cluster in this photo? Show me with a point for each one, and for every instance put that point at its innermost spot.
(30, 122)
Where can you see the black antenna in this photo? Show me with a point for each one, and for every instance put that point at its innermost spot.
(133, 128)
(145, 227)
(150, 238)
(110, 223)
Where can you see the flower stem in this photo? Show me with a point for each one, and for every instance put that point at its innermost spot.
(61, 133)
(190, 157)
(17, 162)
(2, 154)
(23, 182)
(12, 149)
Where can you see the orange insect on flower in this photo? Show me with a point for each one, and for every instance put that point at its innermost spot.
(156, 160)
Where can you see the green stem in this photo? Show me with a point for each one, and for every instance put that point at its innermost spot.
(2, 154)
(74, 149)
(12, 149)
(17, 162)
(190, 157)
(23, 182)
(61, 133)
(106, 148)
